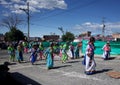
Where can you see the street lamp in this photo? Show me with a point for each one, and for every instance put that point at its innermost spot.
(28, 18)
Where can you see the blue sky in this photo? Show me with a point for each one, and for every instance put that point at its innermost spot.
(75, 16)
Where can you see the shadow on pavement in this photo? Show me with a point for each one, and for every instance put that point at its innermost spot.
(75, 61)
(7, 78)
(111, 58)
(23, 80)
(103, 70)
(61, 66)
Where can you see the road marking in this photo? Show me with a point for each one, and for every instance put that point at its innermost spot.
(19, 66)
(77, 75)
(68, 74)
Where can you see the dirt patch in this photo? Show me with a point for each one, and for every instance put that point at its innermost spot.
(114, 74)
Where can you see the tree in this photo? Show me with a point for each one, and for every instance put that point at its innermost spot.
(14, 35)
(68, 37)
(12, 21)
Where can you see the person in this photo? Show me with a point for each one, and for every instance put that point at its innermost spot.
(72, 51)
(106, 51)
(89, 57)
(33, 55)
(77, 51)
(80, 48)
(64, 57)
(19, 52)
(41, 49)
(11, 51)
(25, 45)
(49, 57)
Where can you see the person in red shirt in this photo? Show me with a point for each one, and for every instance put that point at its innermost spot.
(106, 51)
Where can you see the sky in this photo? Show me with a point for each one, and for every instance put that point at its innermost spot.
(75, 16)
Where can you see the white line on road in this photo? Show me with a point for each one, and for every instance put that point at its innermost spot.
(77, 75)
(68, 74)
(19, 66)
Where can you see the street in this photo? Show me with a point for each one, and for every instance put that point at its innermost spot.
(69, 73)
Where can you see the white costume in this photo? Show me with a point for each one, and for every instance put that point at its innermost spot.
(90, 62)
(106, 53)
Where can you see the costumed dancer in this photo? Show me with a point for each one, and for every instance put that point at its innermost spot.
(41, 49)
(89, 56)
(77, 51)
(107, 49)
(72, 51)
(60, 53)
(33, 56)
(49, 57)
(64, 54)
(11, 51)
(19, 52)
(25, 45)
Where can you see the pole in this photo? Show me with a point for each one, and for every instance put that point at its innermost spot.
(103, 29)
(28, 21)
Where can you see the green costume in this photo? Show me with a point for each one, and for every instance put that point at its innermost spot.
(11, 52)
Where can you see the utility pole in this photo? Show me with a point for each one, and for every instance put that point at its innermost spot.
(103, 29)
(28, 19)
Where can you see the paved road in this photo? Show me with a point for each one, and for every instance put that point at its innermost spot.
(70, 73)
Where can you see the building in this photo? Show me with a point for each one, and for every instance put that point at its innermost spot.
(1, 37)
(51, 37)
(116, 36)
(85, 34)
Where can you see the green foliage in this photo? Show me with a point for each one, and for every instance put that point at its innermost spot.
(68, 37)
(14, 35)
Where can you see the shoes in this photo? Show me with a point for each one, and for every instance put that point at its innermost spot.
(90, 72)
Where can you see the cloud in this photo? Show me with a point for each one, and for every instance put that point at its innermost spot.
(34, 5)
(96, 28)
(4, 2)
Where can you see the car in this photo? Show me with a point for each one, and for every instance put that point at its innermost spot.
(3, 46)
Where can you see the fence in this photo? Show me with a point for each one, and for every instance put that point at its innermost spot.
(115, 47)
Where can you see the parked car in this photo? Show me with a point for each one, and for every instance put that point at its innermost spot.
(3, 46)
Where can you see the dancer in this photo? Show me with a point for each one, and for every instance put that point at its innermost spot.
(89, 56)
(107, 49)
(64, 53)
(49, 57)
(19, 52)
(11, 51)
(77, 51)
(41, 49)
(33, 56)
